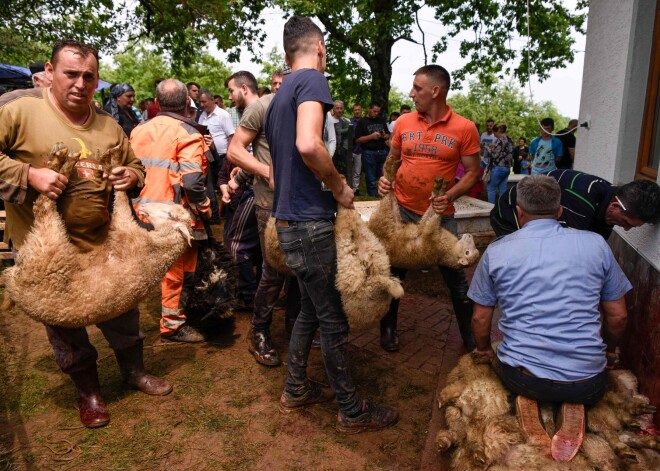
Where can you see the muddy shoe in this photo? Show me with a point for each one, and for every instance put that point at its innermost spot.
(570, 432)
(314, 395)
(527, 411)
(261, 347)
(373, 417)
(186, 334)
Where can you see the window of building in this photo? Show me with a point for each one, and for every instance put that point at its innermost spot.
(649, 151)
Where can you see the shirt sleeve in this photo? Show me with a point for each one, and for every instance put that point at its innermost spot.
(228, 124)
(253, 117)
(616, 285)
(470, 144)
(482, 288)
(533, 146)
(13, 174)
(191, 160)
(314, 88)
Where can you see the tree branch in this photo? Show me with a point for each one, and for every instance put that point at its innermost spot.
(423, 37)
(340, 36)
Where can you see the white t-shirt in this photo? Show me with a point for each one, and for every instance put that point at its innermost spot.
(220, 126)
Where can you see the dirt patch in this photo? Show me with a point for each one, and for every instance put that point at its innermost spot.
(223, 411)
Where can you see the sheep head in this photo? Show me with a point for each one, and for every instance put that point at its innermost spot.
(162, 215)
(466, 250)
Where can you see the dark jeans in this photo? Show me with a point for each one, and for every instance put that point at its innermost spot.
(586, 392)
(270, 285)
(372, 165)
(310, 252)
(454, 278)
(73, 351)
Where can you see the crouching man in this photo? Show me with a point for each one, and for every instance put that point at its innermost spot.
(31, 122)
(173, 151)
(549, 282)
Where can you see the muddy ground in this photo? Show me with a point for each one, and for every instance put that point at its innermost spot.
(223, 412)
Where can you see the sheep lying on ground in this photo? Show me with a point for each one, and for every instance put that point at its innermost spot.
(421, 245)
(55, 283)
(363, 271)
(215, 285)
(484, 432)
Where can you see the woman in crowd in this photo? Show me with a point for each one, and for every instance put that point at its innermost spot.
(501, 155)
(520, 153)
(120, 106)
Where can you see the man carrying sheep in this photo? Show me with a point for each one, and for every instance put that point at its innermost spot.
(549, 282)
(307, 190)
(431, 143)
(31, 122)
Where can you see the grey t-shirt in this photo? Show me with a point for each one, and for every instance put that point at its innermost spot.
(253, 118)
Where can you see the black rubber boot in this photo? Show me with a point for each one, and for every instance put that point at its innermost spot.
(463, 311)
(389, 337)
(133, 376)
(93, 411)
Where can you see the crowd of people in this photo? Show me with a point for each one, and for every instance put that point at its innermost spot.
(290, 153)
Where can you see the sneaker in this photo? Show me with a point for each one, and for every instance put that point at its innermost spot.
(314, 395)
(373, 417)
(186, 334)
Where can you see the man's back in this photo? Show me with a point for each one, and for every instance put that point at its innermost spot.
(549, 281)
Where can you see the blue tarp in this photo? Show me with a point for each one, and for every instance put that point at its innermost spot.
(20, 77)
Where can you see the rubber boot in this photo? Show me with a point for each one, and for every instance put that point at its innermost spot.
(389, 337)
(133, 376)
(93, 411)
(463, 311)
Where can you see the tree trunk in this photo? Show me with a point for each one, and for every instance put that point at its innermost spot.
(381, 74)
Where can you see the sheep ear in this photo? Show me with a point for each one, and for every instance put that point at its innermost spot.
(186, 233)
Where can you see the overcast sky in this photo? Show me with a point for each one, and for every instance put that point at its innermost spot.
(562, 88)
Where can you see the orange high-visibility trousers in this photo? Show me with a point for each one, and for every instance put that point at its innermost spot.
(177, 286)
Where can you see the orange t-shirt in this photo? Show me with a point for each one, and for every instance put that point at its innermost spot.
(429, 151)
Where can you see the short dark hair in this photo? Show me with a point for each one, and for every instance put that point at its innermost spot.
(490, 120)
(82, 48)
(538, 195)
(190, 84)
(523, 138)
(436, 72)
(396, 114)
(278, 73)
(243, 77)
(158, 80)
(172, 95)
(641, 199)
(500, 128)
(548, 122)
(357, 104)
(405, 107)
(299, 31)
(374, 103)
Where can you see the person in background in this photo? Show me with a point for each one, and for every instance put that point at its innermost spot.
(501, 154)
(372, 134)
(153, 109)
(405, 109)
(276, 80)
(520, 152)
(219, 101)
(39, 78)
(546, 150)
(393, 117)
(567, 138)
(120, 106)
(357, 151)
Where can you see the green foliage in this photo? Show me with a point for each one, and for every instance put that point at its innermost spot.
(142, 66)
(398, 98)
(505, 103)
(274, 61)
(15, 50)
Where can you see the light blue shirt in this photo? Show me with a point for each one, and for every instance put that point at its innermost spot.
(545, 154)
(548, 282)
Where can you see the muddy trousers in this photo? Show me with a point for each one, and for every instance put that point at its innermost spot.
(75, 354)
(177, 287)
(270, 285)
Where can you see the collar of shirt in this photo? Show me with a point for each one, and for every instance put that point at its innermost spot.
(444, 119)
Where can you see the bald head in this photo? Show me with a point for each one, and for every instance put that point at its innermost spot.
(172, 95)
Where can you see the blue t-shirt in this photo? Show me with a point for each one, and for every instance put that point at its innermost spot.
(545, 153)
(548, 282)
(298, 192)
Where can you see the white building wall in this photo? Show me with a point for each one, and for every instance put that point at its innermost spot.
(614, 85)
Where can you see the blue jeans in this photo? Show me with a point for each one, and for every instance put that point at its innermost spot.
(310, 251)
(499, 176)
(587, 392)
(372, 164)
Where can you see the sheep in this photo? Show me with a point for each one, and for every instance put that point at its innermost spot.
(363, 271)
(56, 283)
(483, 433)
(274, 256)
(422, 245)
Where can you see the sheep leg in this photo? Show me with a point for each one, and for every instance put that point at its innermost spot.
(439, 187)
(391, 167)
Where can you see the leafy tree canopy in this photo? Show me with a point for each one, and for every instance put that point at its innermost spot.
(504, 103)
(273, 61)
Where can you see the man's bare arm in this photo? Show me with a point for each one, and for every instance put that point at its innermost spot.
(237, 152)
(482, 317)
(471, 163)
(615, 316)
(309, 142)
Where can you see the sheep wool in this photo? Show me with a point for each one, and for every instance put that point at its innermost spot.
(483, 433)
(55, 283)
(422, 245)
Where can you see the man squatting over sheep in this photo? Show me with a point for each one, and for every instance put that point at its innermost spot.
(172, 150)
(31, 122)
(431, 143)
(303, 172)
(251, 131)
(549, 282)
